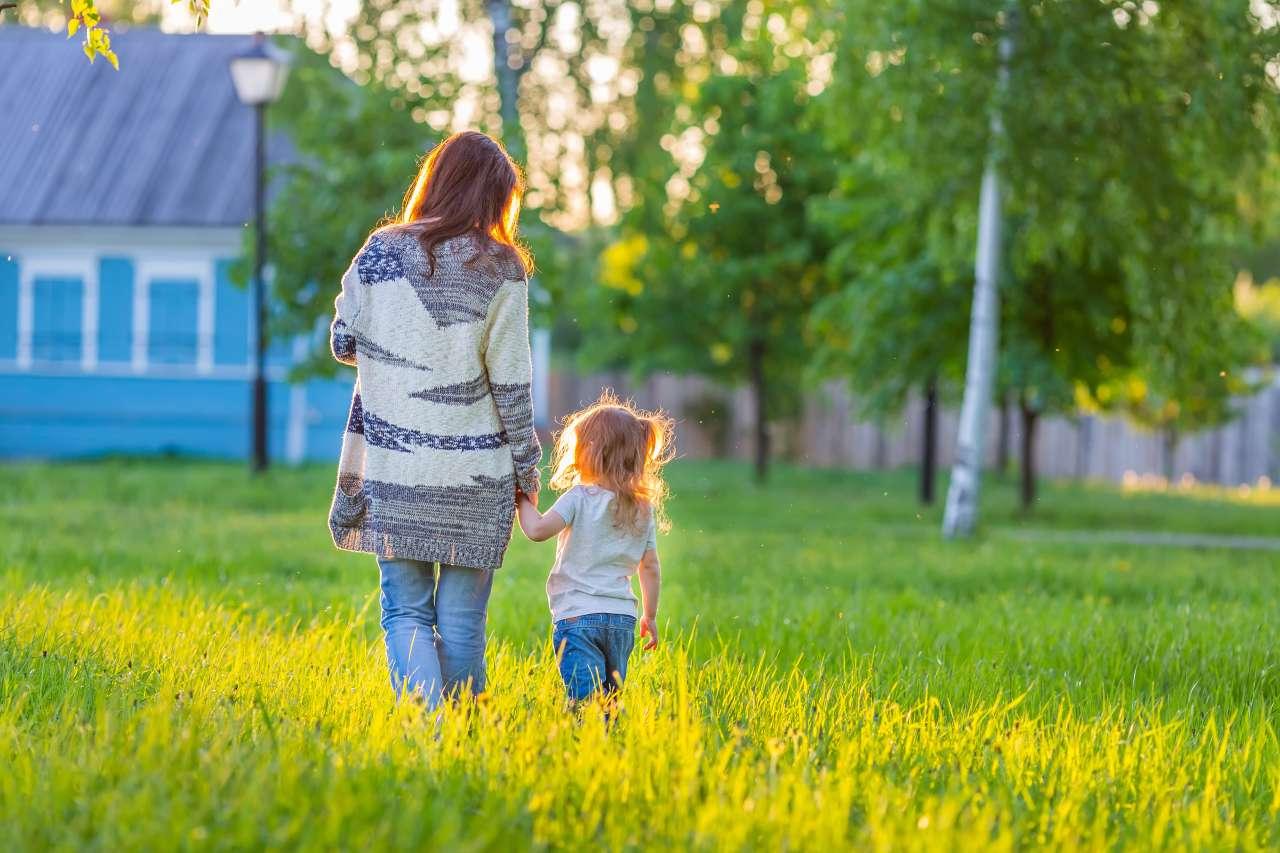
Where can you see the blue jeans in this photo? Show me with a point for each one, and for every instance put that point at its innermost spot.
(433, 624)
(593, 652)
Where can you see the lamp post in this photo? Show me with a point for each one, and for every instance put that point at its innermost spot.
(259, 76)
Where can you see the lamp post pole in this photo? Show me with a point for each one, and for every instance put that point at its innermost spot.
(259, 291)
(258, 75)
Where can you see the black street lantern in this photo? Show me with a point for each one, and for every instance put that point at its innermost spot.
(259, 76)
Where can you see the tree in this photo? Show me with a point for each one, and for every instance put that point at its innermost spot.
(895, 322)
(1121, 257)
(979, 381)
(1177, 392)
(1259, 303)
(717, 268)
(399, 86)
(1121, 186)
(1064, 328)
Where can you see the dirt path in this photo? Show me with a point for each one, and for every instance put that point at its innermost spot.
(1141, 537)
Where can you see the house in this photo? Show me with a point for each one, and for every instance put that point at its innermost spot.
(123, 201)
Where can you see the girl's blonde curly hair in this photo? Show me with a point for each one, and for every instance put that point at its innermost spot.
(619, 447)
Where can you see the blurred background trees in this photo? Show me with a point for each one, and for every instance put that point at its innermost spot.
(1132, 133)
(717, 266)
(776, 193)
(769, 192)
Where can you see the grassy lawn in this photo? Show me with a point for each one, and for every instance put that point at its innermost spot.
(185, 661)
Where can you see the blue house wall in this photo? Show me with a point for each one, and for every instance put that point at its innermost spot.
(145, 351)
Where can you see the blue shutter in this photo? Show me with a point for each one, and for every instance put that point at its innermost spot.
(56, 332)
(8, 306)
(231, 319)
(172, 335)
(115, 310)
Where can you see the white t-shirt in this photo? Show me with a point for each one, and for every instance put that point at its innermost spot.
(595, 559)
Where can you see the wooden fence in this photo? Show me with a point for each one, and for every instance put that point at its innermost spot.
(715, 421)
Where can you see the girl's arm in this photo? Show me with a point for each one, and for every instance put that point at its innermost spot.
(650, 584)
(536, 526)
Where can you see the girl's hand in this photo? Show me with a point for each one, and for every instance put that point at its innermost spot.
(649, 628)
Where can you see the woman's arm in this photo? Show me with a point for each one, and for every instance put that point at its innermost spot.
(650, 585)
(509, 363)
(536, 526)
(342, 337)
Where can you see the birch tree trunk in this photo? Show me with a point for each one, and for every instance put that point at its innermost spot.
(961, 516)
(508, 78)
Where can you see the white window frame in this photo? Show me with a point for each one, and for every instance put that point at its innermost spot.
(149, 270)
(77, 266)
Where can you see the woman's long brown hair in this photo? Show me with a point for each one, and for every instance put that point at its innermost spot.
(614, 445)
(467, 184)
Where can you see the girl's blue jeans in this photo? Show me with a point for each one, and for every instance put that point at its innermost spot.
(433, 621)
(593, 652)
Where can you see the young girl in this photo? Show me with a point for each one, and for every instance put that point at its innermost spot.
(608, 461)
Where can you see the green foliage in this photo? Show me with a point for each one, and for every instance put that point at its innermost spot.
(185, 661)
(716, 259)
(1259, 303)
(896, 319)
(1135, 137)
(357, 148)
(359, 139)
(85, 16)
(97, 41)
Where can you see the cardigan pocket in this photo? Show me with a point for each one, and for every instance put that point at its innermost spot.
(349, 510)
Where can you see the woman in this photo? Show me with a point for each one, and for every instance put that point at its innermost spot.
(434, 314)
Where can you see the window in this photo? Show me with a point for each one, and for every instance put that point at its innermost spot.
(173, 337)
(57, 313)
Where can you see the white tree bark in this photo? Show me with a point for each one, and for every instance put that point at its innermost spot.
(961, 515)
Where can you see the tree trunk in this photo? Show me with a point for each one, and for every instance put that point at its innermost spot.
(1030, 420)
(508, 79)
(1084, 445)
(755, 364)
(880, 449)
(1168, 451)
(1002, 438)
(929, 453)
(961, 514)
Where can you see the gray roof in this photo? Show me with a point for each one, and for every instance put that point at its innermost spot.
(164, 141)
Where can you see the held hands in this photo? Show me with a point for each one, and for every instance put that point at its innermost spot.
(649, 628)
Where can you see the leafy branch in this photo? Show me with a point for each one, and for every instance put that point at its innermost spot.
(97, 38)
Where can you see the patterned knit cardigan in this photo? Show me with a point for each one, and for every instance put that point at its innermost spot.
(440, 433)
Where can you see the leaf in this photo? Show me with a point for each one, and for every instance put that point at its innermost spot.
(73, 24)
(112, 58)
(89, 51)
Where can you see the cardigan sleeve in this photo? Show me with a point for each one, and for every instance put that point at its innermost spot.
(342, 334)
(509, 364)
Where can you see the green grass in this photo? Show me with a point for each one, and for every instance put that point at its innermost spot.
(185, 662)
